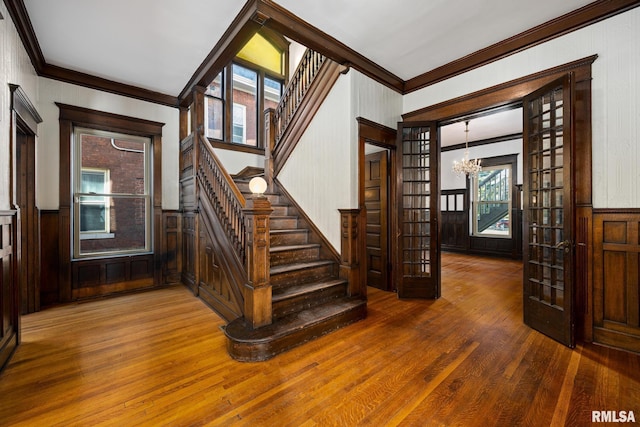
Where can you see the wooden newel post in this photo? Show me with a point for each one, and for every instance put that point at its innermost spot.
(349, 253)
(269, 146)
(257, 298)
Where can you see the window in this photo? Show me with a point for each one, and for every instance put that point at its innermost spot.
(492, 198)
(214, 108)
(239, 124)
(94, 211)
(236, 99)
(112, 193)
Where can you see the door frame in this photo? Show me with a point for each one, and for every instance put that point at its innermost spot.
(382, 136)
(512, 92)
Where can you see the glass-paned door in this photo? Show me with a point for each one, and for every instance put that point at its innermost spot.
(548, 210)
(418, 266)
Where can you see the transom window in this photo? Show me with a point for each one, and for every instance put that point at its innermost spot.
(112, 193)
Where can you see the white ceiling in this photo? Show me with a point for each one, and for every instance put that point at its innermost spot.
(158, 44)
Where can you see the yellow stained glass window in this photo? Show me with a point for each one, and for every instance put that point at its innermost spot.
(259, 51)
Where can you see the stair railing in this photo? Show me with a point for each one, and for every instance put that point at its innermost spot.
(296, 89)
(246, 223)
(225, 196)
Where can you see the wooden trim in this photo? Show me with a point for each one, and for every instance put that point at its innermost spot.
(258, 13)
(69, 117)
(243, 27)
(575, 20)
(288, 24)
(98, 83)
(21, 104)
(499, 95)
(20, 17)
(235, 147)
(482, 142)
(377, 134)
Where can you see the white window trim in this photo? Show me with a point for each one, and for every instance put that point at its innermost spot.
(243, 109)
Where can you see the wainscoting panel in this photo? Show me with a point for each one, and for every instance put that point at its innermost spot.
(616, 293)
(9, 298)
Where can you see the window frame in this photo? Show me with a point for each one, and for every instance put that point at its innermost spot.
(76, 182)
(226, 141)
(510, 162)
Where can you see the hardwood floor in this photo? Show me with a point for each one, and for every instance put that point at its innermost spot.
(159, 358)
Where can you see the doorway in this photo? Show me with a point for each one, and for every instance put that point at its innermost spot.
(376, 198)
(546, 274)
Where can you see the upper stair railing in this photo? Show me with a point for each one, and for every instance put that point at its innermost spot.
(225, 196)
(295, 91)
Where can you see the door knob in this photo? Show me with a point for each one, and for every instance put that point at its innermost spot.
(566, 244)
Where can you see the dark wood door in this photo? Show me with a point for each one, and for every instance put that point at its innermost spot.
(548, 211)
(376, 196)
(418, 272)
(29, 221)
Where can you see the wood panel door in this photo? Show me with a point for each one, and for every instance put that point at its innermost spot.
(376, 197)
(418, 266)
(548, 211)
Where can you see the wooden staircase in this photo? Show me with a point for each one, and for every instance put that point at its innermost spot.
(309, 299)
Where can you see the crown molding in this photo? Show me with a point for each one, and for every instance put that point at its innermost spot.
(579, 18)
(258, 13)
(22, 22)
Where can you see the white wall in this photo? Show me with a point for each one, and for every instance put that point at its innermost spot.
(322, 172)
(48, 153)
(318, 172)
(450, 181)
(235, 161)
(15, 68)
(616, 104)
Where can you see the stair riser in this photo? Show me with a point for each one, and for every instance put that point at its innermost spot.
(280, 210)
(307, 275)
(308, 300)
(256, 352)
(294, 255)
(286, 239)
(283, 223)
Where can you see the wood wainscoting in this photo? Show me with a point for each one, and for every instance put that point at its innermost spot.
(616, 278)
(94, 278)
(9, 286)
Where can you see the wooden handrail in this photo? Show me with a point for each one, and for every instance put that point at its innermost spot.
(295, 90)
(224, 194)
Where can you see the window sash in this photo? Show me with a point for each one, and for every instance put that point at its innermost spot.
(104, 232)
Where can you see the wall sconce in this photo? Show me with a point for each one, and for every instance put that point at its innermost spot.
(258, 186)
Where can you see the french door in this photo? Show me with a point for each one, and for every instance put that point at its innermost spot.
(548, 211)
(418, 267)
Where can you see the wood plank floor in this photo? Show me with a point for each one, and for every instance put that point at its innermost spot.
(159, 358)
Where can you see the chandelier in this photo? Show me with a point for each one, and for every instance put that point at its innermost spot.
(466, 166)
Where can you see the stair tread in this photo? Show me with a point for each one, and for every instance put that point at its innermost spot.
(289, 230)
(292, 291)
(293, 247)
(299, 266)
(239, 331)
